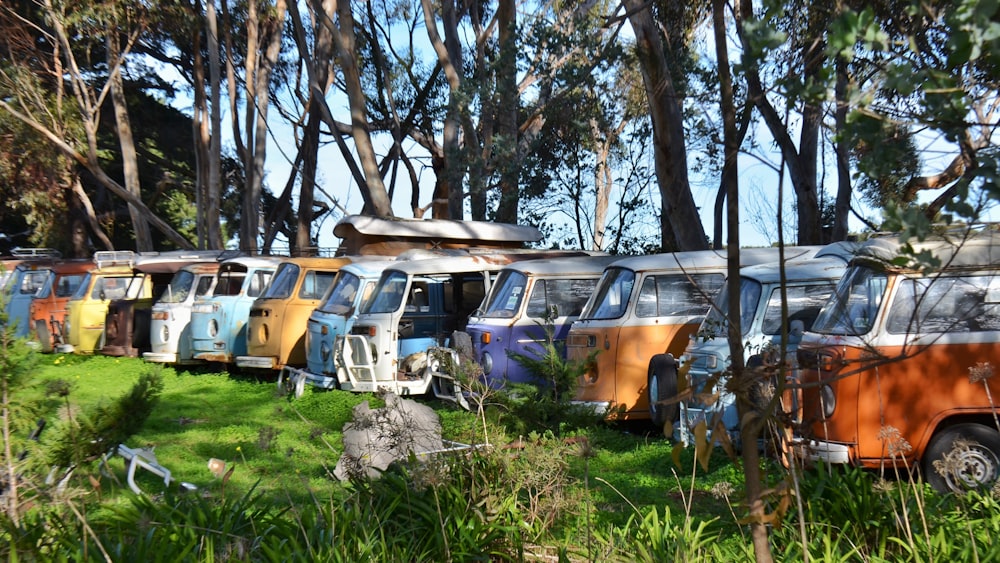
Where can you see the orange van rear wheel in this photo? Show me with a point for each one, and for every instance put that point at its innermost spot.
(662, 386)
(963, 457)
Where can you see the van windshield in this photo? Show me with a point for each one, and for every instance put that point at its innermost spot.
(506, 297)
(855, 304)
(611, 299)
(388, 295)
(340, 300)
(179, 288)
(283, 282)
(715, 325)
(81, 290)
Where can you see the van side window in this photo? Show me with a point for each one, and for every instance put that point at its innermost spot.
(230, 283)
(678, 295)
(258, 283)
(568, 296)
(943, 304)
(315, 284)
(68, 285)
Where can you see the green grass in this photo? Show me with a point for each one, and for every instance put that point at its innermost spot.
(288, 447)
(617, 495)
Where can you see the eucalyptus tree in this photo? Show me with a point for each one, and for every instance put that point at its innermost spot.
(57, 85)
(663, 31)
(504, 69)
(933, 89)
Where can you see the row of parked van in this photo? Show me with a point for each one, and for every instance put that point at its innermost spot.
(878, 349)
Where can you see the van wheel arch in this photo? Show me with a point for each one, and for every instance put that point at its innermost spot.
(662, 385)
(974, 467)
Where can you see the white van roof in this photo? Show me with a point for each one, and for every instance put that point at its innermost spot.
(957, 251)
(829, 263)
(363, 234)
(567, 266)
(711, 259)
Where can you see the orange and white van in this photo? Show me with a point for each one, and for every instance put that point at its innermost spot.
(644, 306)
(898, 368)
(50, 304)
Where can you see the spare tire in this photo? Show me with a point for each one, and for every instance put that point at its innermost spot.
(662, 386)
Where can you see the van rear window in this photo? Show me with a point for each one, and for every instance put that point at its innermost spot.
(677, 295)
(944, 304)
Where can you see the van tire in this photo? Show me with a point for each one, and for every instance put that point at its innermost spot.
(662, 385)
(979, 463)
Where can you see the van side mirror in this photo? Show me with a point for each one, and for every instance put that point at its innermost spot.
(795, 330)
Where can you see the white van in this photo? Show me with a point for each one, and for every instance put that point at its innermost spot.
(808, 285)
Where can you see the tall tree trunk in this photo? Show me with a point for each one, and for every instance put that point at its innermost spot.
(680, 227)
(344, 42)
(842, 207)
(749, 425)
(123, 127)
(200, 132)
(259, 76)
(507, 113)
(801, 161)
(213, 191)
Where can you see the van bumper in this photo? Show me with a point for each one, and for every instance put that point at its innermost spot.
(257, 362)
(827, 452)
(160, 357)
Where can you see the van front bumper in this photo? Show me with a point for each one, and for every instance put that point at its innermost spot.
(827, 452)
(257, 362)
(160, 357)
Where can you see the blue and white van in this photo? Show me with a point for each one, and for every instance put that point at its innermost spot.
(219, 321)
(806, 286)
(334, 317)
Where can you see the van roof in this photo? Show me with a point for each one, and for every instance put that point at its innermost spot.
(829, 263)
(711, 259)
(569, 265)
(172, 260)
(363, 234)
(482, 262)
(319, 262)
(958, 251)
(255, 261)
(827, 267)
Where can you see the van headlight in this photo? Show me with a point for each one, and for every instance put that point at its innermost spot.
(487, 362)
(828, 400)
(213, 328)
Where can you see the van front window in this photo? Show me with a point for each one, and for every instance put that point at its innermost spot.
(715, 325)
(611, 299)
(341, 298)
(179, 288)
(506, 298)
(388, 295)
(283, 283)
(855, 304)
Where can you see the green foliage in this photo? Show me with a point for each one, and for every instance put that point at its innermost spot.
(648, 537)
(546, 402)
(86, 437)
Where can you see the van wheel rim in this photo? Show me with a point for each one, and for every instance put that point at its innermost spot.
(975, 467)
